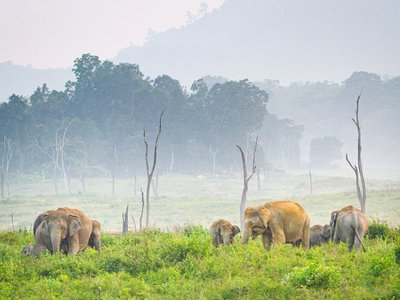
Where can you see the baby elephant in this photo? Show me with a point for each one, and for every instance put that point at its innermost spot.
(320, 235)
(223, 232)
(34, 250)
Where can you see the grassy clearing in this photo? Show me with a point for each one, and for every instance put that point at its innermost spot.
(183, 265)
(188, 199)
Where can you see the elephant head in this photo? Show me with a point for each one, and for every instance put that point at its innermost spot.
(227, 233)
(255, 222)
(58, 227)
(326, 232)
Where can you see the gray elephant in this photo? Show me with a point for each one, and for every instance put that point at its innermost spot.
(349, 225)
(34, 250)
(223, 232)
(65, 229)
(320, 235)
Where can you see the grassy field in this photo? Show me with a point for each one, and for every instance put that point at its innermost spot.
(183, 265)
(194, 200)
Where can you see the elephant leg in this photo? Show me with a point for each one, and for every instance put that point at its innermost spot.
(267, 239)
(351, 241)
(278, 234)
(215, 241)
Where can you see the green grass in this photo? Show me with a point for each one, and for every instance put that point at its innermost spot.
(183, 265)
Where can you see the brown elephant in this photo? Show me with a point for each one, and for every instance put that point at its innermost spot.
(65, 229)
(320, 235)
(223, 232)
(280, 222)
(94, 240)
(349, 225)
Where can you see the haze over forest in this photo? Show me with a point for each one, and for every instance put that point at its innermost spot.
(311, 59)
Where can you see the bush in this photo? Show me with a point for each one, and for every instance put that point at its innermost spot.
(378, 230)
(397, 254)
(314, 275)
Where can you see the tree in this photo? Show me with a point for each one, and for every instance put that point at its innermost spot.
(6, 156)
(358, 171)
(246, 179)
(149, 171)
(324, 151)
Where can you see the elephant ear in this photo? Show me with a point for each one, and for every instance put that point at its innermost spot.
(74, 225)
(235, 230)
(265, 216)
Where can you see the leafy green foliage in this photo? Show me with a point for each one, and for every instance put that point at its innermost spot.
(183, 265)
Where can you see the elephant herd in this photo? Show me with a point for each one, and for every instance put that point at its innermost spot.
(287, 222)
(70, 231)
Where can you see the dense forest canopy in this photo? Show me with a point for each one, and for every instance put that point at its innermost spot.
(94, 127)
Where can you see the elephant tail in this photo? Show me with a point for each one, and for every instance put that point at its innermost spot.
(306, 234)
(356, 234)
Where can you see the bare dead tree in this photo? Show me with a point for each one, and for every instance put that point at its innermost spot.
(125, 220)
(141, 212)
(61, 144)
(82, 180)
(246, 179)
(358, 169)
(12, 222)
(171, 165)
(55, 152)
(134, 222)
(5, 165)
(214, 156)
(154, 185)
(258, 179)
(311, 184)
(149, 171)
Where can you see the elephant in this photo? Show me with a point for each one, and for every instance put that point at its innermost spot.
(34, 250)
(280, 222)
(65, 229)
(320, 235)
(349, 225)
(223, 232)
(94, 240)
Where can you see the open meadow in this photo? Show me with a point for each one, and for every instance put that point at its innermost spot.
(198, 200)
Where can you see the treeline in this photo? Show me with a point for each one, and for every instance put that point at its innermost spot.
(94, 127)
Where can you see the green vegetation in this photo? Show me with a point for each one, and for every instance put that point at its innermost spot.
(183, 265)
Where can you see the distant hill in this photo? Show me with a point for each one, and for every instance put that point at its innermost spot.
(287, 40)
(23, 80)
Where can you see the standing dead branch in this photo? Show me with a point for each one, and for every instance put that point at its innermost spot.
(125, 220)
(141, 212)
(214, 156)
(358, 169)
(246, 178)
(5, 165)
(149, 171)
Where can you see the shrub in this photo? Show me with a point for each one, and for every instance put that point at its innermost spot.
(314, 275)
(378, 230)
(397, 254)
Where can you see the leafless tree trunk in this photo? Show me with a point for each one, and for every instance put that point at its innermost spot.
(149, 171)
(358, 170)
(125, 220)
(141, 211)
(154, 185)
(214, 156)
(311, 184)
(83, 184)
(258, 179)
(246, 179)
(134, 222)
(12, 222)
(61, 144)
(5, 166)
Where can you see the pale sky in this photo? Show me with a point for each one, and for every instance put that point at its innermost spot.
(52, 33)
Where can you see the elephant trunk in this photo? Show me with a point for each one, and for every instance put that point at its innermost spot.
(246, 235)
(55, 241)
